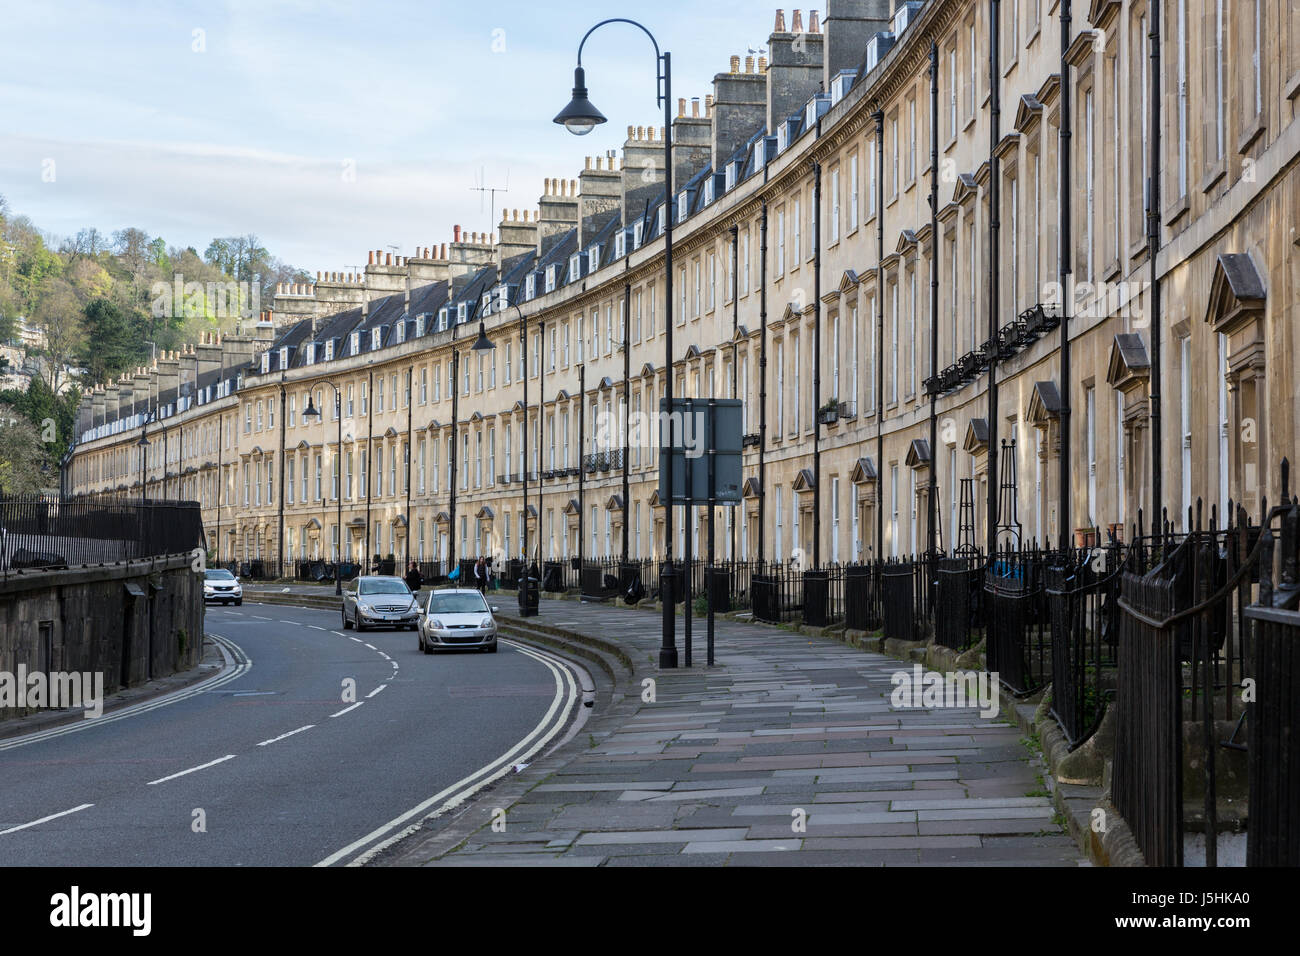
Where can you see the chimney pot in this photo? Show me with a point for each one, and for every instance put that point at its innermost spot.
(796, 25)
(640, 132)
(388, 258)
(455, 234)
(372, 258)
(749, 64)
(814, 24)
(598, 162)
(735, 64)
(780, 22)
(762, 64)
(573, 187)
(695, 106)
(681, 106)
(589, 162)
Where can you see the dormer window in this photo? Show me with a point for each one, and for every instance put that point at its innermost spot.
(683, 207)
(399, 330)
(841, 85)
(530, 286)
(376, 334)
(593, 259)
(550, 278)
(620, 244)
(502, 298)
(708, 191)
(442, 319)
(266, 362)
(419, 325)
(311, 353)
(732, 172)
(284, 357)
(355, 343)
(760, 154)
(462, 312)
(487, 303)
(575, 267)
(782, 137)
(636, 235)
(329, 351)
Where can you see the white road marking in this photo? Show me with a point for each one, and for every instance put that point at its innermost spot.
(346, 709)
(52, 816)
(317, 627)
(202, 766)
(258, 617)
(460, 791)
(384, 656)
(289, 734)
(376, 690)
(371, 646)
(298, 623)
(357, 639)
(234, 654)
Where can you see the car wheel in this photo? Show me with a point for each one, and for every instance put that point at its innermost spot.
(239, 603)
(492, 649)
(347, 625)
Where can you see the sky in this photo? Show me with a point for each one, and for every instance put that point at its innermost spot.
(325, 127)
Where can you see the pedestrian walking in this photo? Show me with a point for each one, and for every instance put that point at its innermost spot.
(480, 574)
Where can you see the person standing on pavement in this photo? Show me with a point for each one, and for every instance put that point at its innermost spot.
(414, 580)
(480, 574)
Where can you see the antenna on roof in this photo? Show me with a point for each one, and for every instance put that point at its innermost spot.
(491, 195)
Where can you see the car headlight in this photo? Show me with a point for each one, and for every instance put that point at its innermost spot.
(486, 622)
(364, 607)
(436, 625)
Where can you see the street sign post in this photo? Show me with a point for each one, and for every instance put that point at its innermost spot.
(700, 445)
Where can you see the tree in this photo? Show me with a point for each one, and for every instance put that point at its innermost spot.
(59, 319)
(113, 341)
(24, 458)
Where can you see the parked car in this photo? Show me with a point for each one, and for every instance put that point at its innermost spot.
(457, 618)
(220, 585)
(379, 601)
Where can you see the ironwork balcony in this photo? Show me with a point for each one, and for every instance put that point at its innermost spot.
(751, 440)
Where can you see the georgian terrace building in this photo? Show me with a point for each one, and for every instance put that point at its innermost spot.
(872, 249)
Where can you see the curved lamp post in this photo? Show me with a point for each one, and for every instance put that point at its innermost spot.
(311, 411)
(580, 117)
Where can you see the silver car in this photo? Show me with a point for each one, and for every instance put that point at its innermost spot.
(379, 601)
(457, 618)
(220, 585)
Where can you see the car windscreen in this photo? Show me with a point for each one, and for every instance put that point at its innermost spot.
(395, 586)
(453, 603)
(219, 574)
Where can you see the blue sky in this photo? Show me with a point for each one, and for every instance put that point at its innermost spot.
(120, 114)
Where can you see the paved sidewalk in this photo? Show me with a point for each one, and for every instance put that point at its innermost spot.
(727, 762)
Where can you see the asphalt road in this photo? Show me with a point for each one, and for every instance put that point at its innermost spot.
(276, 764)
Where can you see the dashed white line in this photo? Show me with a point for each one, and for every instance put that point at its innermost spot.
(346, 709)
(357, 639)
(289, 734)
(258, 617)
(297, 623)
(317, 627)
(384, 656)
(376, 690)
(203, 766)
(371, 646)
(52, 816)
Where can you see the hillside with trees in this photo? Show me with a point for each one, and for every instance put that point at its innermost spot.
(97, 305)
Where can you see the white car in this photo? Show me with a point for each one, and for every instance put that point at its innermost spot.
(219, 585)
(457, 618)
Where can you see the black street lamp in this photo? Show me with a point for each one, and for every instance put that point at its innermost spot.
(311, 411)
(143, 445)
(581, 117)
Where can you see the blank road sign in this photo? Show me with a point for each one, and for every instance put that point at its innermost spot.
(702, 437)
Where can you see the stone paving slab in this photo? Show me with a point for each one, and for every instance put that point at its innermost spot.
(786, 753)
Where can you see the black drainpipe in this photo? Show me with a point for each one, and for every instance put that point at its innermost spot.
(995, 117)
(1153, 247)
(1063, 507)
(817, 363)
(879, 116)
(931, 498)
(762, 378)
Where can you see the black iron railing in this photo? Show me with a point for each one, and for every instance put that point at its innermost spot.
(47, 531)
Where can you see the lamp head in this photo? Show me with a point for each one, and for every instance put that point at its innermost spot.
(580, 117)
